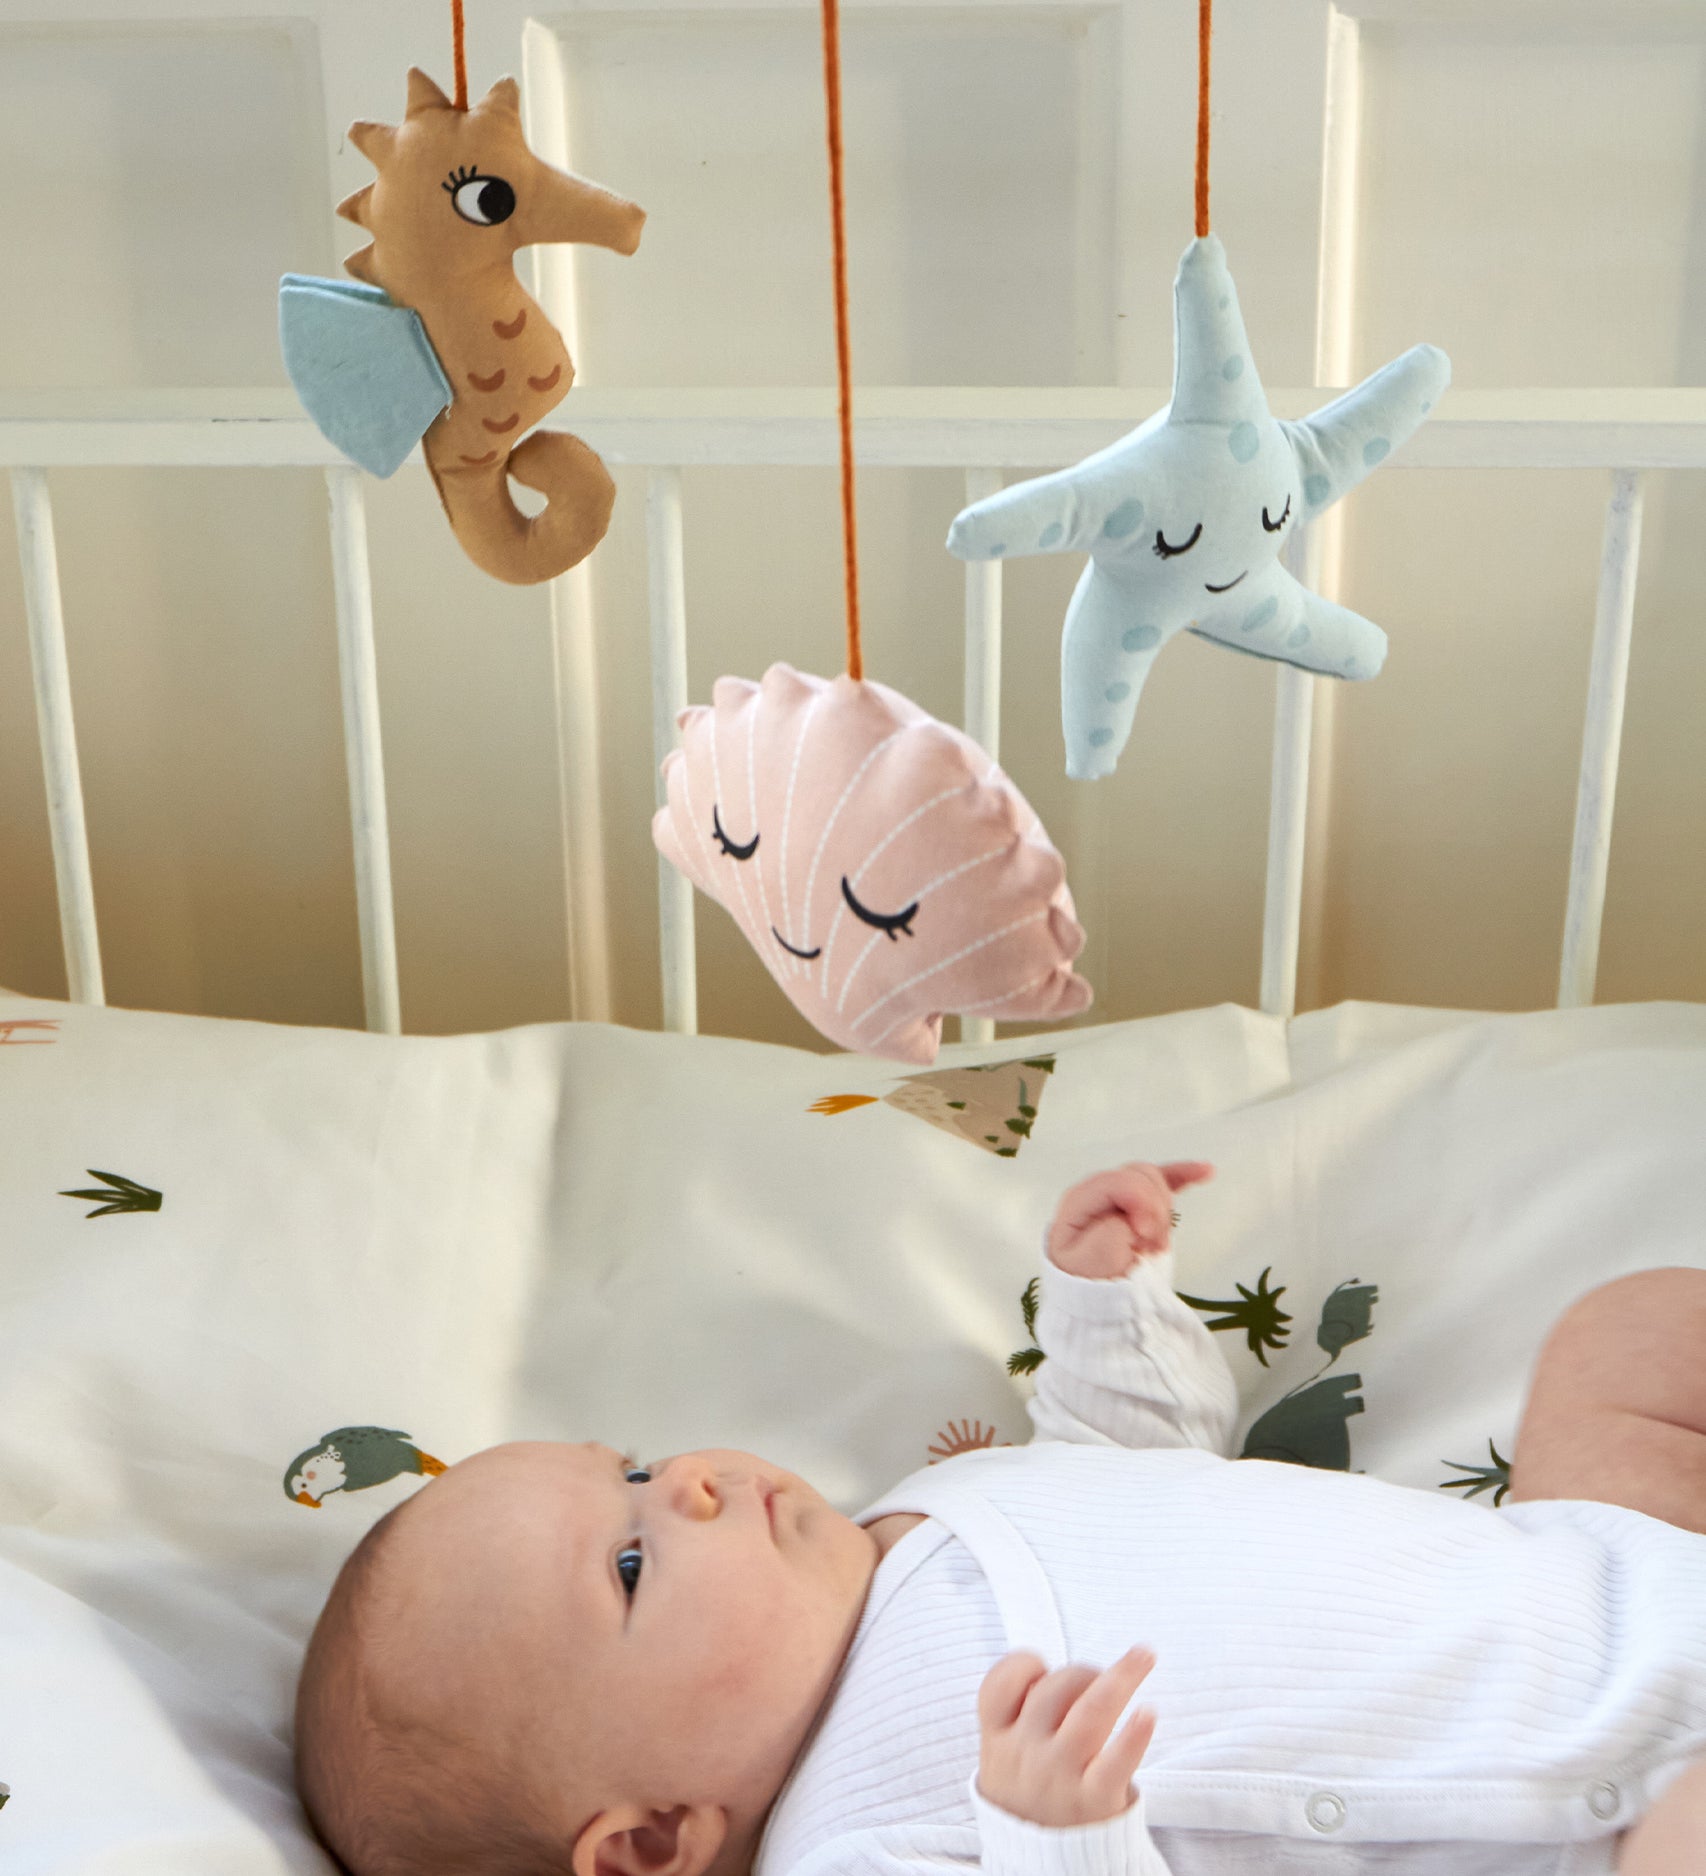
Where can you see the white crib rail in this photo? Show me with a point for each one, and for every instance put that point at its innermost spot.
(979, 432)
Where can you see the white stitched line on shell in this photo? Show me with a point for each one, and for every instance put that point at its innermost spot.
(693, 812)
(967, 1009)
(787, 816)
(919, 976)
(757, 704)
(994, 1003)
(853, 782)
(750, 924)
(947, 794)
(871, 943)
(942, 879)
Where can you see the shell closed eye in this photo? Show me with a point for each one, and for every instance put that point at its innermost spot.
(1273, 527)
(886, 922)
(729, 847)
(1166, 549)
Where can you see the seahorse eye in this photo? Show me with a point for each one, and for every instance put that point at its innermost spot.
(1273, 527)
(483, 200)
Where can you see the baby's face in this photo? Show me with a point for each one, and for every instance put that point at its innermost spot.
(674, 1625)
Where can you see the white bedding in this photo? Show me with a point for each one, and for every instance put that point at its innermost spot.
(583, 1232)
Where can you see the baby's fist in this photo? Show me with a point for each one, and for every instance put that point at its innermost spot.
(1103, 1225)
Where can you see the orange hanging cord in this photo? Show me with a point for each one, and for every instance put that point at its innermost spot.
(838, 217)
(459, 53)
(1205, 11)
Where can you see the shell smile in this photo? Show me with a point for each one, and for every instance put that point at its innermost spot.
(794, 948)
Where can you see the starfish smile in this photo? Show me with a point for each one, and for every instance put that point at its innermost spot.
(794, 948)
(1227, 588)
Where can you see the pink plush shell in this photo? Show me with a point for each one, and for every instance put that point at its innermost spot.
(880, 864)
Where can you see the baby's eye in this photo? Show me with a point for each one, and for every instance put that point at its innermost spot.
(637, 1475)
(628, 1566)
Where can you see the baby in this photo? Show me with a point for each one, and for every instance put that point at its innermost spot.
(554, 1659)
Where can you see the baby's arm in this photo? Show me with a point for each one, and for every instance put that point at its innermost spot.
(1128, 1364)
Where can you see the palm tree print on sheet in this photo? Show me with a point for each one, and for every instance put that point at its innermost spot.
(1310, 1425)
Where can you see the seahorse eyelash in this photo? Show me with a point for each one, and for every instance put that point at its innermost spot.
(460, 175)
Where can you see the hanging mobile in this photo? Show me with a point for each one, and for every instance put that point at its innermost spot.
(1184, 519)
(882, 866)
(440, 344)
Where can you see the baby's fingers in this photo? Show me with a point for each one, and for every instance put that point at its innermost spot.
(1004, 1689)
(1185, 1172)
(1115, 1766)
(1085, 1729)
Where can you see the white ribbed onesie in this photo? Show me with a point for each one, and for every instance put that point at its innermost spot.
(1351, 1676)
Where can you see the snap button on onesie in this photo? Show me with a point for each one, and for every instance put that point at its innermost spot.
(1325, 1811)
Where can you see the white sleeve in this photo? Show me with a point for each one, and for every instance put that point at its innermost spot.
(1011, 1846)
(1128, 1363)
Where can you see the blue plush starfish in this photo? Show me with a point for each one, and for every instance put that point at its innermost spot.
(1184, 519)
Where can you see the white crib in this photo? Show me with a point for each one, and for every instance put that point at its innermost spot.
(1625, 432)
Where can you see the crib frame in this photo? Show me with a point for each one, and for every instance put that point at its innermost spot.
(982, 433)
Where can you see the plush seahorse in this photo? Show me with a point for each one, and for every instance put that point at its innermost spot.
(457, 193)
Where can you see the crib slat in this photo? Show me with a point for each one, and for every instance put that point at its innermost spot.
(52, 672)
(1602, 736)
(1288, 803)
(667, 590)
(1288, 810)
(983, 673)
(360, 685)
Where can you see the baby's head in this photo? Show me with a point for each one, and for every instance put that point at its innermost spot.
(550, 1659)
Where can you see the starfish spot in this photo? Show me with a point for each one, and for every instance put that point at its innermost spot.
(1125, 518)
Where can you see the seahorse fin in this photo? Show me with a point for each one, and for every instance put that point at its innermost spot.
(504, 96)
(354, 207)
(424, 95)
(374, 141)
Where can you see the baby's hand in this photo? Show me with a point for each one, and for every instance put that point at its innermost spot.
(1046, 1755)
(1105, 1224)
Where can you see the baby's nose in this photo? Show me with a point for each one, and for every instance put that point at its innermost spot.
(693, 1490)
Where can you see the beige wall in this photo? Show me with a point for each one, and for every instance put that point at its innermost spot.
(1533, 203)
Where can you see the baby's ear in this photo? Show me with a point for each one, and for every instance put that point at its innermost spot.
(630, 1840)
